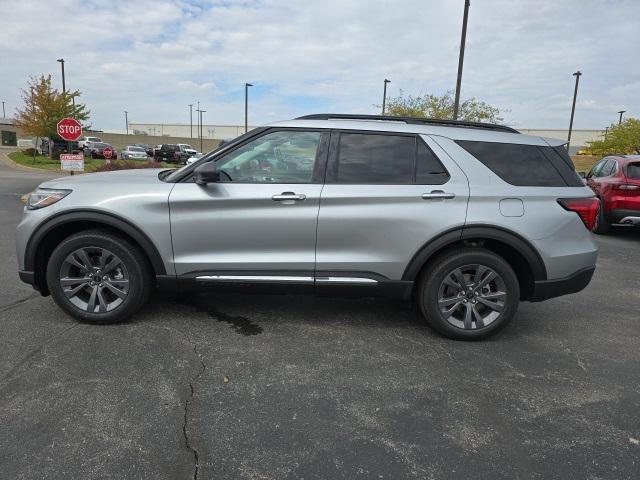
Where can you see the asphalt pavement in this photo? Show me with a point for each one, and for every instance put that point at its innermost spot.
(259, 387)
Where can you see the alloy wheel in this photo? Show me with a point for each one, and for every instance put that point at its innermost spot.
(94, 279)
(472, 296)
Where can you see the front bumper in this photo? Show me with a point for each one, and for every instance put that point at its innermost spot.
(546, 289)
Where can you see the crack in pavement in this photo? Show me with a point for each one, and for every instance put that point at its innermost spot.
(36, 351)
(11, 305)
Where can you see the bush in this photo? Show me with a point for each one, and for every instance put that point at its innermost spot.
(125, 165)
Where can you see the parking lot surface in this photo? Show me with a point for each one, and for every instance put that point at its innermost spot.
(258, 387)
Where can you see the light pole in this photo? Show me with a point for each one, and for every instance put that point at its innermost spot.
(201, 112)
(64, 88)
(573, 106)
(191, 119)
(463, 41)
(620, 119)
(126, 121)
(606, 131)
(246, 106)
(384, 95)
(3, 114)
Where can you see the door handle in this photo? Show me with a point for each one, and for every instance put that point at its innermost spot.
(284, 196)
(435, 194)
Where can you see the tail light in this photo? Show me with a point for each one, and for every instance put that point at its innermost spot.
(586, 208)
(626, 186)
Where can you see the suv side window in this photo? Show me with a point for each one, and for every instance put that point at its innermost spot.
(285, 156)
(376, 158)
(381, 158)
(523, 165)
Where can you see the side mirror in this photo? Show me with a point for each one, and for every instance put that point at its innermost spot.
(207, 173)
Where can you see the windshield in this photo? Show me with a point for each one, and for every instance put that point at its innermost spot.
(135, 149)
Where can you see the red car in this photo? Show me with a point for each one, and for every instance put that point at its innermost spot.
(616, 182)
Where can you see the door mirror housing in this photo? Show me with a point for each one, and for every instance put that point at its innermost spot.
(207, 173)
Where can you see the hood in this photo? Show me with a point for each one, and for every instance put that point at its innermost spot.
(117, 178)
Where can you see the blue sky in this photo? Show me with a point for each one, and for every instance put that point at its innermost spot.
(154, 57)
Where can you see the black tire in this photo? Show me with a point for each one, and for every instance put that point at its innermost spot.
(602, 226)
(133, 262)
(432, 284)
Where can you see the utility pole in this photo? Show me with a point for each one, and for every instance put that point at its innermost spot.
(606, 131)
(573, 106)
(621, 112)
(3, 114)
(126, 121)
(201, 112)
(384, 95)
(191, 119)
(246, 106)
(463, 41)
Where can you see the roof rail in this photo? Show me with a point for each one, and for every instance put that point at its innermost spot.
(408, 120)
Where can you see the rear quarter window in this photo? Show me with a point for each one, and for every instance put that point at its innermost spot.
(524, 165)
(633, 171)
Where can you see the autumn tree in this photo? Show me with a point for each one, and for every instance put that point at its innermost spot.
(434, 106)
(623, 138)
(45, 106)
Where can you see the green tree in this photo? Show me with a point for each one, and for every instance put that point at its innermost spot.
(621, 138)
(434, 106)
(45, 106)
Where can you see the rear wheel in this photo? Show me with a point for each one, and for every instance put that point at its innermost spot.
(469, 294)
(602, 226)
(98, 277)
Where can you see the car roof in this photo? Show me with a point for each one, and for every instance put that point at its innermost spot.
(448, 129)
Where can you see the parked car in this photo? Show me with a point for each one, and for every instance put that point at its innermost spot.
(59, 146)
(132, 152)
(84, 141)
(96, 150)
(616, 182)
(188, 149)
(466, 219)
(194, 158)
(147, 148)
(171, 153)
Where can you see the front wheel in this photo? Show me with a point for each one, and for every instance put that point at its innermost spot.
(98, 277)
(468, 294)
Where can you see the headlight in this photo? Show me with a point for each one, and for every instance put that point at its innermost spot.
(43, 197)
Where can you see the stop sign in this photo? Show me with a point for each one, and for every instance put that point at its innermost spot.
(69, 129)
(107, 152)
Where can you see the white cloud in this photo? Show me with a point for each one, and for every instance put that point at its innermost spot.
(154, 57)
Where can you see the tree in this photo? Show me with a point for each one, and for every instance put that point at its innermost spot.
(45, 106)
(621, 138)
(433, 106)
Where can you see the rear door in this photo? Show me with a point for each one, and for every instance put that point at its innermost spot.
(632, 173)
(259, 222)
(386, 195)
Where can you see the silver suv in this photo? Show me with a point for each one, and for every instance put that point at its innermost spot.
(466, 219)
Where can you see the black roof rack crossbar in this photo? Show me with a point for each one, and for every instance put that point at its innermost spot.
(409, 120)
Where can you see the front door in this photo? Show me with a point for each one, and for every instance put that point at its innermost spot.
(259, 222)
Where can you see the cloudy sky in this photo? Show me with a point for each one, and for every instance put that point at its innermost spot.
(154, 57)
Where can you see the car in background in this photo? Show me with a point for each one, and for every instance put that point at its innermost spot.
(186, 148)
(147, 148)
(194, 158)
(172, 153)
(616, 182)
(59, 146)
(84, 141)
(133, 152)
(96, 150)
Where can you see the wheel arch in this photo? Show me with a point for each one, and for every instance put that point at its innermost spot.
(517, 251)
(49, 234)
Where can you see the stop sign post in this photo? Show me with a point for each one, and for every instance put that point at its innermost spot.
(69, 129)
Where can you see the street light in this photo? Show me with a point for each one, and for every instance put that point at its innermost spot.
(621, 112)
(61, 60)
(126, 121)
(573, 106)
(463, 41)
(384, 95)
(3, 114)
(246, 106)
(191, 119)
